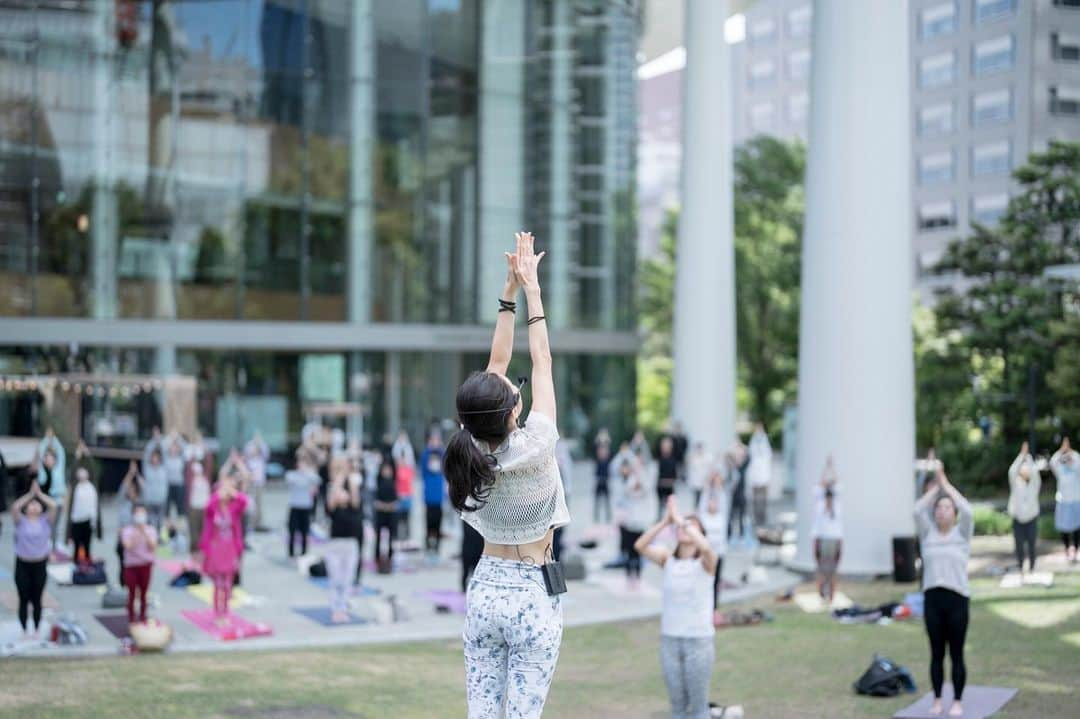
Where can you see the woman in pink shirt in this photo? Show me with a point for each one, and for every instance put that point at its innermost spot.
(139, 540)
(222, 542)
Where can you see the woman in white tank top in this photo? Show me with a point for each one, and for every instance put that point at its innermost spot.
(687, 651)
(504, 480)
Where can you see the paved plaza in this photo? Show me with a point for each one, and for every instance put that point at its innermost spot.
(403, 606)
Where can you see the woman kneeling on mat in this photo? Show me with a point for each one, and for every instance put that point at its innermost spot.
(687, 650)
(944, 522)
(505, 482)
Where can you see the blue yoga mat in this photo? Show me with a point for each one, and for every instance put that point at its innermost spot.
(322, 616)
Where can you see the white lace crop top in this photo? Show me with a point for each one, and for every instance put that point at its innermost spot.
(527, 497)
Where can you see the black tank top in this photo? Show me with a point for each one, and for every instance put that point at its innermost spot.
(345, 522)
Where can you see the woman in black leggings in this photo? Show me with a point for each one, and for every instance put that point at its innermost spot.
(33, 515)
(944, 521)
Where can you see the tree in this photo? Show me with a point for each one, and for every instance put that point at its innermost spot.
(657, 302)
(1006, 313)
(769, 205)
(768, 230)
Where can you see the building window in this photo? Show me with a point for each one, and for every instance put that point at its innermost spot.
(798, 21)
(937, 215)
(991, 107)
(798, 105)
(937, 70)
(762, 73)
(987, 10)
(1065, 101)
(988, 209)
(991, 56)
(762, 31)
(763, 117)
(936, 168)
(936, 120)
(1067, 3)
(991, 158)
(1065, 47)
(798, 64)
(937, 21)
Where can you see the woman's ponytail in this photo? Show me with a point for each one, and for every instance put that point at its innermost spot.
(469, 472)
(485, 402)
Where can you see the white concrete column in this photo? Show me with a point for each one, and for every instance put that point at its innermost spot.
(703, 395)
(562, 186)
(856, 376)
(362, 139)
(103, 220)
(502, 145)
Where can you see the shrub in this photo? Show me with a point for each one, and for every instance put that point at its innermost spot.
(989, 521)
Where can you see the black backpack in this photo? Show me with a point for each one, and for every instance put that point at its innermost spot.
(884, 678)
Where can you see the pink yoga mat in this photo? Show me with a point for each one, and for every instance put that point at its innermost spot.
(452, 599)
(236, 628)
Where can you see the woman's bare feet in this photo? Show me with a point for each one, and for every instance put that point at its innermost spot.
(956, 710)
(339, 617)
(935, 708)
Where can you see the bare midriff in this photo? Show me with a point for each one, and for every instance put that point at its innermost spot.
(536, 552)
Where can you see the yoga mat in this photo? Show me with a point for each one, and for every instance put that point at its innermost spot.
(176, 566)
(10, 601)
(322, 616)
(355, 591)
(236, 627)
(117, 624)
(812, 603)
(616, 584)
(205, 593)
(979, 702)
(450, 598)
(1013, 580)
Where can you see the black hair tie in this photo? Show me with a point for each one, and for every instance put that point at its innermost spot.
(534, 320)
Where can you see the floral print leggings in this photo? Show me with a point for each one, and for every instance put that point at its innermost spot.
(513, 630)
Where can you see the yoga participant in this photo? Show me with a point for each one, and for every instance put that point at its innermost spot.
(633, 506)
(944, 522)
(51, 473)
(431, 466)
(1024, 484)
(256, 456)
(356, 479)
(699, 465)
(504, 480)
(341, 553)
(737, 461)
(640, 447)
(405, 469)
(687, 650)
(33, 515)
(303, 483)
(140, 541)
(222, 543)
(155, 480)
(667, 472)
(386, 507)
(198, 499)
(602, 463)
(713, 514)
(84, 514)
(1065, 464)
(759, 473)
(827, 531)
(127, 496)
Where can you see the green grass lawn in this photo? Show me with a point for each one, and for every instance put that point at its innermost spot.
(798, 666)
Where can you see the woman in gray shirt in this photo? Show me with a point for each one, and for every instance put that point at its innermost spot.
(944, 522)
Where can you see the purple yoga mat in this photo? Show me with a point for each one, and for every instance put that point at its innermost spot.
(450, 598)
(117, 624)
(979, 702)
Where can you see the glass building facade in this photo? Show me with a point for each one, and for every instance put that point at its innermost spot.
(300, 200)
